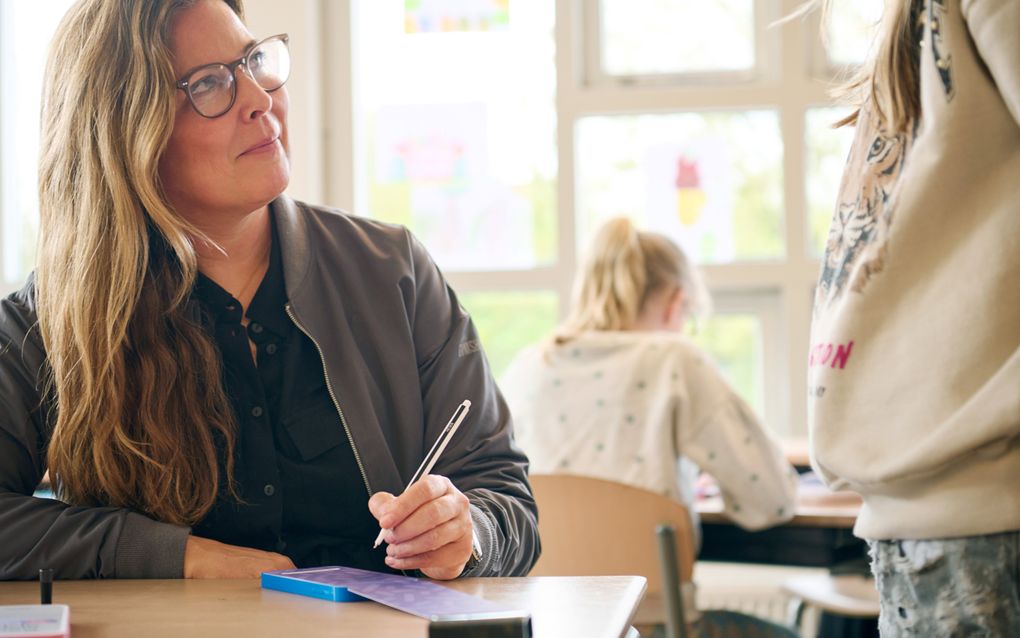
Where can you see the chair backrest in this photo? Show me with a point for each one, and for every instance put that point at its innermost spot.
(593, 527)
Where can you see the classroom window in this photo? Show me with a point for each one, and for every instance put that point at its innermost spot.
(25, 32)
(509, 321)
(734, 340)
(693, 118)
(456, 103)
(850, 31)
(667, 37)
(711, 181)
(827, 150)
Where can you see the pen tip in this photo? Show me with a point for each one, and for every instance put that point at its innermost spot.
(467, 403)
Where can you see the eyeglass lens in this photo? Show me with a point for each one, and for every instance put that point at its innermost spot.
(212, 88)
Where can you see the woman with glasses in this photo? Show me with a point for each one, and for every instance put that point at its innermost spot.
(221, 380)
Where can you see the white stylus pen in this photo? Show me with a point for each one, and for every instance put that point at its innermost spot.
(433, 455)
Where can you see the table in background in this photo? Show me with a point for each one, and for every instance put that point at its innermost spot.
(819, 535)
(589, 607)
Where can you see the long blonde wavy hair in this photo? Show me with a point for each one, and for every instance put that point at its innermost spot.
(889, 81)
(622, 269)
(139, 414)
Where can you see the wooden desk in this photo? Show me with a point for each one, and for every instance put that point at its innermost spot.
(599, 606)
(839, 514)
(819, 535)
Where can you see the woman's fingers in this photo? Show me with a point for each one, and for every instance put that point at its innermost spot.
(432, 539)
(430, 527)
(445, 560)
(377, 504)
(392, 512)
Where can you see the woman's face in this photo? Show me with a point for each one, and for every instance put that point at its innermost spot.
(235, 163)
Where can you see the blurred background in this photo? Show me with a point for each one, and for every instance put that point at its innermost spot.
(502, 132)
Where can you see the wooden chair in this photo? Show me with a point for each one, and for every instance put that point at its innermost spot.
(845, 595)
(594, 527)
(713, 623)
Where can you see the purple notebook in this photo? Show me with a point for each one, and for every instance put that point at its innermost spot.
(411, 595)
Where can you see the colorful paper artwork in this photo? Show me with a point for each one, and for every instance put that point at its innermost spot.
(438, 157)
(690, 196)
(448, 16)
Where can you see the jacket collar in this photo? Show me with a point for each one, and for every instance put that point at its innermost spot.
(292, 226)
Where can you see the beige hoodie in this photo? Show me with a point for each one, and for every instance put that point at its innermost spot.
(914, 378)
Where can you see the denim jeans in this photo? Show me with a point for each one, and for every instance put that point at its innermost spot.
(956, 587)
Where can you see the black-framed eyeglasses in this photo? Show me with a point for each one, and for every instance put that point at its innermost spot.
(212, 88)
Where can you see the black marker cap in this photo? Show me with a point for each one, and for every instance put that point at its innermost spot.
(45, 586)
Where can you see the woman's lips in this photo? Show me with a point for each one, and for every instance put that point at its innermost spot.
(265, 146)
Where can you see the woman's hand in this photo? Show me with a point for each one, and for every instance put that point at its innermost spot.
(206, 558)
(430, 527)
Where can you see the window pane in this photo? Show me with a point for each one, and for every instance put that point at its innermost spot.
(25, 32)
(850, 30)
(456, 110)
(735, 343)
(827, 150)
(676, 36)
(509, 321)
(711, 181)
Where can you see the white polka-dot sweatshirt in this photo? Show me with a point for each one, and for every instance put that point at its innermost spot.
(646, 409)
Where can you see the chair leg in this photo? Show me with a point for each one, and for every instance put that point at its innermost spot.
(795, 613)
(676, 625)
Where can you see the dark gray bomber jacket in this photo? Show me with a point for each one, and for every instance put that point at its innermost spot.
(399, 354)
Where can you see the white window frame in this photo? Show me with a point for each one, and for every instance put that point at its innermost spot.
(590, 17)
(785, 79)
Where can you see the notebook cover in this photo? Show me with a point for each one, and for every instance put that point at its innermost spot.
(297, 582)
(416, 596)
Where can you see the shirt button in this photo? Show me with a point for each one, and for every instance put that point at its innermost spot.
(271, 348)
(269, 489)
(256, 328)
(256, 411)
(281, 545)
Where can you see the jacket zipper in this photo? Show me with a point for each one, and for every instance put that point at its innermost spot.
(332, 395)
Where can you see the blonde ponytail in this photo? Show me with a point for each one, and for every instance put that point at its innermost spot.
(621, 270)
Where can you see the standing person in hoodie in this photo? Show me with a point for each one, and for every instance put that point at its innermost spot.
(915, 349)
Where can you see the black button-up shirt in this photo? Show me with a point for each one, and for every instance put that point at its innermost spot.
(302, 491)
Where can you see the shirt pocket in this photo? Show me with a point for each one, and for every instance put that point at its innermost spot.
(314, 430)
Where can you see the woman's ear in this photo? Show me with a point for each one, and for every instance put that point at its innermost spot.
(674, 316)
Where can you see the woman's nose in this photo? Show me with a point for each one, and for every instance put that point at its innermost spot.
(252, 98)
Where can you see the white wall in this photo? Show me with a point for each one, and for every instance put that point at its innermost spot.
(301, 19)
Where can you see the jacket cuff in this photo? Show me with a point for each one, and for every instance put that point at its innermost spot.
(485, 532)
(149, 549)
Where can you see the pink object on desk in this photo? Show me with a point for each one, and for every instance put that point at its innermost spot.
(35, 621)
